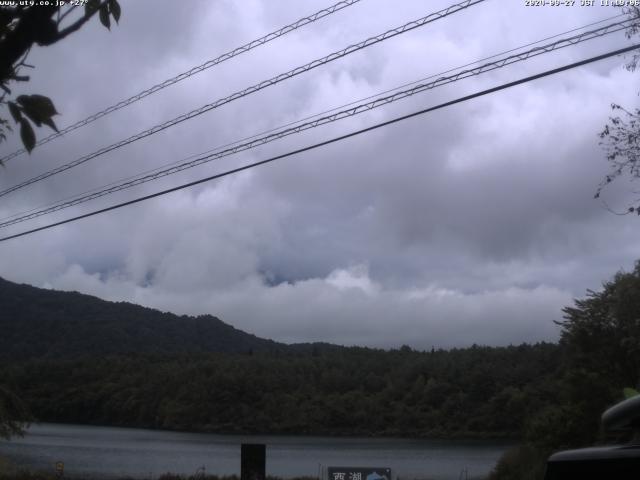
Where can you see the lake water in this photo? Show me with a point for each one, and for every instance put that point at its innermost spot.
(145, 454)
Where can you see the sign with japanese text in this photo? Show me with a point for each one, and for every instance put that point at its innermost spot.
(358, 473)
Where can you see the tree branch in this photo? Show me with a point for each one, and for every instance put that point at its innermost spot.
(29, 30)
(71, 8)
(78, 23)
(16, 43)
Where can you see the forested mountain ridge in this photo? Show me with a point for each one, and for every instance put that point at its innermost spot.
(159, 370)
(41, 323)
(76, 358)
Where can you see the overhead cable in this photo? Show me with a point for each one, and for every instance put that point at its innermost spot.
(247, 91)
(191, 72)
(309, 117)
(330, 141)
(361, 108)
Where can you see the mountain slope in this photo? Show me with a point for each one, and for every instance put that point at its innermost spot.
(40, 323)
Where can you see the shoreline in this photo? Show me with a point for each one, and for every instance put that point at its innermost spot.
(470, 437)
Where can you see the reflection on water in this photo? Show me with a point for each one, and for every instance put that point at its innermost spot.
(120, 452)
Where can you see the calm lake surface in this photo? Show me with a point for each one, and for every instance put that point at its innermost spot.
(145, 454)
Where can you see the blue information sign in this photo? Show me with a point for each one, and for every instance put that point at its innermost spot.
(358, 473)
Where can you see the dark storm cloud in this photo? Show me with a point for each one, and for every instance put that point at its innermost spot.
(472, 224)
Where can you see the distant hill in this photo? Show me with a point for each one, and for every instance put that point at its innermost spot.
(74, 358)
(41, 323)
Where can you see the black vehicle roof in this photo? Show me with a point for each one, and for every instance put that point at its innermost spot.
(597, 453)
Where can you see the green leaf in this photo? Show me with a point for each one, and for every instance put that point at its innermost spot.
(33, 117)
(114, 8)
(90, 7)
(15, 111)
(27, 135)
(41, 106)
(630, 392)
(45, 105)
(39, 109)
(104, 16)
(50, 123)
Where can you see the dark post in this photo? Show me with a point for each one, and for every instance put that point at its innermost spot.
(253, 461)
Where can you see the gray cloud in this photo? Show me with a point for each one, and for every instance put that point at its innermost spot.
(472, 224)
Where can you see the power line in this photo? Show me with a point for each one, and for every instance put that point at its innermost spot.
(257, 87)
(309, 117)
(274, 129)
(271, 130)
(378, 102)
(193, 71)
(330, 141)
(504, 52)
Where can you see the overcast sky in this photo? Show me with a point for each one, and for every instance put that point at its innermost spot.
(472, 224)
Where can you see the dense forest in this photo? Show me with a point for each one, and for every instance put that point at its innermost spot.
(76, 358)
(546, 396)
(478, 391)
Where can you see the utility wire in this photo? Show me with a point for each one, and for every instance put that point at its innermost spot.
(274, 129)
(258, 134)
(259, 86)
(309, 117)
(193, 71)
(354, 102)
(364, 107)
(255, 135)
(330, 141)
